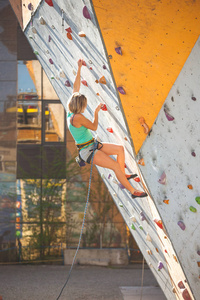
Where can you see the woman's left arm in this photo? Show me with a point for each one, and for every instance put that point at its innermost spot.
(77, 82)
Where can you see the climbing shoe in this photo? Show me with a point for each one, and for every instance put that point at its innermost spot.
(138, 194)
(131, 176)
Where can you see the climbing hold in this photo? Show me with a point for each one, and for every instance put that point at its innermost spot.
(144, 125)
(62, 74)
(198, 263)
(126, 138)
(181, 225)
(133, 218)
(193, 153)
(140, 226)
(52, 26)
(142, 216)
(110, 129)
(102, 176)
(190, 187)
(109, 176)
(159, 223)
(118, 50)
(49, 39)
(34, 30)
(97, 81)
(36, 52)
(90, 68)
(52, 76)
(114, 194)
(193, 209)
(69, 30)
(157, 250)
(104, 107)
(175, 258)
(74, 72)
(137, 179)
(132, 226)
(84, 63)
(114, 181)
(174, 290)
(120, 204)
(117, 108)
(67, 83)
(198, 252)
(51, 61)
(148, 238)
(166, 201)
(193, 98)
(121, 186)
(149, 252)
(186, 295)
(165, 251)
(86, 13)
(69, 36)
(162, 179)
(168, 116)
(121, 90)
(104, 67)
(102, 80)
(160, 265)
(84, 82)
(30, 6)
(30, 37)
(49, 2)
(141, 162)
(181, 284)
(110, 56)
(42, 21)
(82, 34)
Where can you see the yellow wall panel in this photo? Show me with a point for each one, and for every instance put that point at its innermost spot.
(156, 38)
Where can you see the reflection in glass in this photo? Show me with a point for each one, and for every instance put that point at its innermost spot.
(29, 122)
(54, 122)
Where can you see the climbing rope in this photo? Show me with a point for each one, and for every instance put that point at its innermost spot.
(83, 223)
(142, 279)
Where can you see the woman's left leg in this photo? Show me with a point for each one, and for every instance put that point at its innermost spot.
(114, 149)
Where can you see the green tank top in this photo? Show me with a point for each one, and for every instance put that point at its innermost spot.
(81, 135)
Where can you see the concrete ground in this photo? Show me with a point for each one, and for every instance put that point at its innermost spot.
(44, 282)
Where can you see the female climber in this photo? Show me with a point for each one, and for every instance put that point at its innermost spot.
(80, 127)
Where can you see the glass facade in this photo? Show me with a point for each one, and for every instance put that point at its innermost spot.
(42, 189)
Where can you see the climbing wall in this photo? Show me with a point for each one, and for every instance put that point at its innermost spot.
(60, 32)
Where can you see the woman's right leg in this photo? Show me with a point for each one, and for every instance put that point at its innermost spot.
(103, 160)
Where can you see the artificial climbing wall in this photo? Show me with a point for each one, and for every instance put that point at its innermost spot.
(60, 32)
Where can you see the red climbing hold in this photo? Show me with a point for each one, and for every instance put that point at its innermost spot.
(159, 223)
(104, 107)
(137, 179)
(118, 50)
(181, 284)
(166, 201)
(69, 36)
(186, 295)
(86, 13)
(69, 30)
(121, 90)
(84, 63)
(84, 82)
(110, 129)
(49, 2)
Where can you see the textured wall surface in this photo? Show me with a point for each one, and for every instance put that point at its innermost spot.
(58, 46)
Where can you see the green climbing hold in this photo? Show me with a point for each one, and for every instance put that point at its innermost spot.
(197, 200)
(140, 226)
(132, 226)
(120, 204)
(36, 52)
(193, 209)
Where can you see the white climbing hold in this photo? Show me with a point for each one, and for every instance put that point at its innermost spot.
(34, 30)
(148, 238)
(62, 74)
(102, 176)
(133, 218)
(114, 194)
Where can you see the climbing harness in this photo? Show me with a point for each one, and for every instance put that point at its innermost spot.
(83, 223)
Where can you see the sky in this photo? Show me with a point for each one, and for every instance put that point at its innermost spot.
(25, 83)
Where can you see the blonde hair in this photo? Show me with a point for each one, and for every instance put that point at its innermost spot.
(77, 103)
